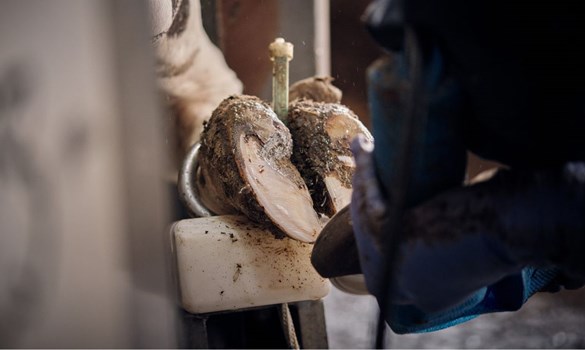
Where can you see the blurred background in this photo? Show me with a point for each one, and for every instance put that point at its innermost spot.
(85, 197)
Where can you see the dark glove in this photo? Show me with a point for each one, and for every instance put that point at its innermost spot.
(467, 251)
(474, 250)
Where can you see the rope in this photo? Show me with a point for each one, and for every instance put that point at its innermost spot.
(289, 327)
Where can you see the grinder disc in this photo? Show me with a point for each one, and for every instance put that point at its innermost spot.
(335, 251)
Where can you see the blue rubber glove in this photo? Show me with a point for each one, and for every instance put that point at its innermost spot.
(473, 250)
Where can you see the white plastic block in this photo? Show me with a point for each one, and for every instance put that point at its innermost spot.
(229, 263)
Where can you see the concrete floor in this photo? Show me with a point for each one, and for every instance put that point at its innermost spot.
(546, 321)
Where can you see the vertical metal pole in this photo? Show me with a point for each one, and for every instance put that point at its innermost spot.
(281, 52)
(322, 37)
(311, 326)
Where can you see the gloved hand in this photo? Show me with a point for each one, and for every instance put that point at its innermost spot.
(488, 247)
(476, 249)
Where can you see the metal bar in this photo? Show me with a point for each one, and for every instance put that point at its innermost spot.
(193, 333)
(281, 53)
(311, 321)
(322, 37)
(187, 191)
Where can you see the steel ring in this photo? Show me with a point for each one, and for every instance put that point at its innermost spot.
(187, 191)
